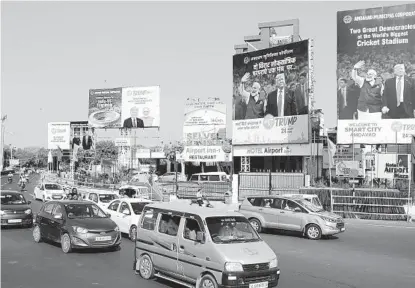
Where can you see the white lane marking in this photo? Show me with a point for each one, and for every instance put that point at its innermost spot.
(12, 262)
(379, 225)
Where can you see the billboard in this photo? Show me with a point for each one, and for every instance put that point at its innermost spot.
(105, 108)
(348, 168)
(59, 135)
(375, 74)
(204, 131)
(393, 166)
(82, 138)
(272, 92)
(128, 107)
(142, 103)
(342, 154)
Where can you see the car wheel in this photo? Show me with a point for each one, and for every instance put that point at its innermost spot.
(37, 235)
(256, 224)
(313, 232)
(208, 281)
(133, 233)
(66, 243)
(146, 267)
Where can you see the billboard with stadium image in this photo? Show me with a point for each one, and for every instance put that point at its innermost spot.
(376, 75)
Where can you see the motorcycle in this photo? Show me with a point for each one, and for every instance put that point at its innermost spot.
(23, 186)
(10, 180)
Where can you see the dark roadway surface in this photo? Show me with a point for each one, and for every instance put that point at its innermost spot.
(365, 256)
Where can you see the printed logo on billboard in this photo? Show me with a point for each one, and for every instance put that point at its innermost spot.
(347, 19)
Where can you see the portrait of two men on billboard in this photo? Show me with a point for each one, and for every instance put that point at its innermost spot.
(279, 95)
(369, 95)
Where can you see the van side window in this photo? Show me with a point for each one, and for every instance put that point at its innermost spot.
(255, 201)
(194, 178)
(266, 202)
(203, 178)
(93, 197)
(149, 219)
(214, 178)
(169, 224)
(277, 204)
(290, 205)
(190, 229)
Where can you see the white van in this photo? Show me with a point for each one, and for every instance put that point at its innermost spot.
(210, 177)
(202, 247)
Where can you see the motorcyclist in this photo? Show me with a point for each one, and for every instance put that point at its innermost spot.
(10, 176)
(23, 186)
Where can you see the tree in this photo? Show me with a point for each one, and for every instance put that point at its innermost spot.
(105, 150)
(171, 149)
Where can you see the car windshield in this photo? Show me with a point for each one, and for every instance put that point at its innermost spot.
(12, 199)
(138, 207)
(231, 230)
(107, 198)
(52, 187)
(84, 211)
(310, 206)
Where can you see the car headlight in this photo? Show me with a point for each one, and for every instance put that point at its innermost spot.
(1, 212)
(79, 229)
(117, 229)
(328, 219)
(28, 211)
(273, 263)
(233, 267)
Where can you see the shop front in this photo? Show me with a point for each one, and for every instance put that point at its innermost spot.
(277, 158)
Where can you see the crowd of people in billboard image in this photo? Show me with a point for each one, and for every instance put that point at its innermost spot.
(376, 85)
(279, 94)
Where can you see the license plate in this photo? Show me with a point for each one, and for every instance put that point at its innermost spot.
(259, 285)
(103, 238)
(342, 229)
(15, 220)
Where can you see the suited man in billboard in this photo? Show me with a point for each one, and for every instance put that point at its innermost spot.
(398, 97)
(346, 100)
(76, 141)
(281, 102)
(301, 95)
(133, 121)
(87, 141)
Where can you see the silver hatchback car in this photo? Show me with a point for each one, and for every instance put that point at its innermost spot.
(292, 214)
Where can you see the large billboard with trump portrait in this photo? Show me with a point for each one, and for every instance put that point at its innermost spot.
(273, 90)
(376, 75)
(126, 107)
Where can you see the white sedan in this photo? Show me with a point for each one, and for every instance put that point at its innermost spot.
(126, 213)
(49, 191)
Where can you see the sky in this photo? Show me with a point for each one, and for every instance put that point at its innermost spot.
(52, 53)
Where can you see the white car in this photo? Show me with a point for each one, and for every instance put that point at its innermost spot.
(144, 177)
(126, 212)
(101, 198)
(171, 177)
(49, 191)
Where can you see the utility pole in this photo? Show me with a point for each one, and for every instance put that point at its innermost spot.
(3, 119)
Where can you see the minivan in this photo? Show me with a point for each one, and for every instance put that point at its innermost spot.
(291, 213)
(210, 177)
(202, 247)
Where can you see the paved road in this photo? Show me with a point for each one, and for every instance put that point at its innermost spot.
(366, 256)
